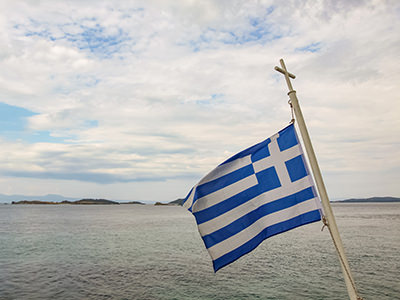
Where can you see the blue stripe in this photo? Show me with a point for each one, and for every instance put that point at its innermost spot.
(223, 181)
(287, 138)
(296, 168)
(249, 151)
(309, 217)
(248, 219)
(261, 152)
(268, 180)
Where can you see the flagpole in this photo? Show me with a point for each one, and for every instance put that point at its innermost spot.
(328, 218)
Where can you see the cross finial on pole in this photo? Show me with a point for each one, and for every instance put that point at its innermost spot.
(285, 72)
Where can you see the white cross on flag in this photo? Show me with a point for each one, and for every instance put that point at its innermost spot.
(260, 192)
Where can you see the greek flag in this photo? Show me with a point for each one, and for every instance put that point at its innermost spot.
(262, 191)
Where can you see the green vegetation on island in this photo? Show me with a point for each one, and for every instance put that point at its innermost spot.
(177, 201)
(34, 202)
(133, 202)
(79, 202)
(372, 199)
(172, 203)
(161, 204)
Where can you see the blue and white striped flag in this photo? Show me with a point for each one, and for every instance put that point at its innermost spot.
(262, 191)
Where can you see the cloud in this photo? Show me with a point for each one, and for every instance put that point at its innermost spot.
(160, 91)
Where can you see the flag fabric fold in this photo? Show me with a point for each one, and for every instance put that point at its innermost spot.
(262, 191)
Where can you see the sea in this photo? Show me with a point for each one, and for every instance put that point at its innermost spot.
(155, 252)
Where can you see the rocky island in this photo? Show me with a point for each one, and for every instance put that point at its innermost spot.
(79, 202)
(372, 199)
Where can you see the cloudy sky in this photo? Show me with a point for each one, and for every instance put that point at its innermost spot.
(137, 100)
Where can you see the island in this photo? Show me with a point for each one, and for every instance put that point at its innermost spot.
(177, 201)
(133, 202)
(372, 199)
(78, 202)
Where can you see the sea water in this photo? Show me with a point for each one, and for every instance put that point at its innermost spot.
(155, 252)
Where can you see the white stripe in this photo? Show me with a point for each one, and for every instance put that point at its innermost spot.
(227, 168)
(250, 232)
(189, 200)
(239, 211)
(280, 167)
(268, 161)
(312, 184)
(225, 193)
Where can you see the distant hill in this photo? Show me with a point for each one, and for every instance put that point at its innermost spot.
(94, 201)
(172, 203)
(162, 204)
(177, 201)
(46, 198)
(79, 202)
(55, 199)
(372, 199)
(133, 202)
(34, 202)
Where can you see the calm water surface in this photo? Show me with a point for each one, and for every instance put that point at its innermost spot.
(149, 252)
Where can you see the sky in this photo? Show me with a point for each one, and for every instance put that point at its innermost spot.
(138, 100)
